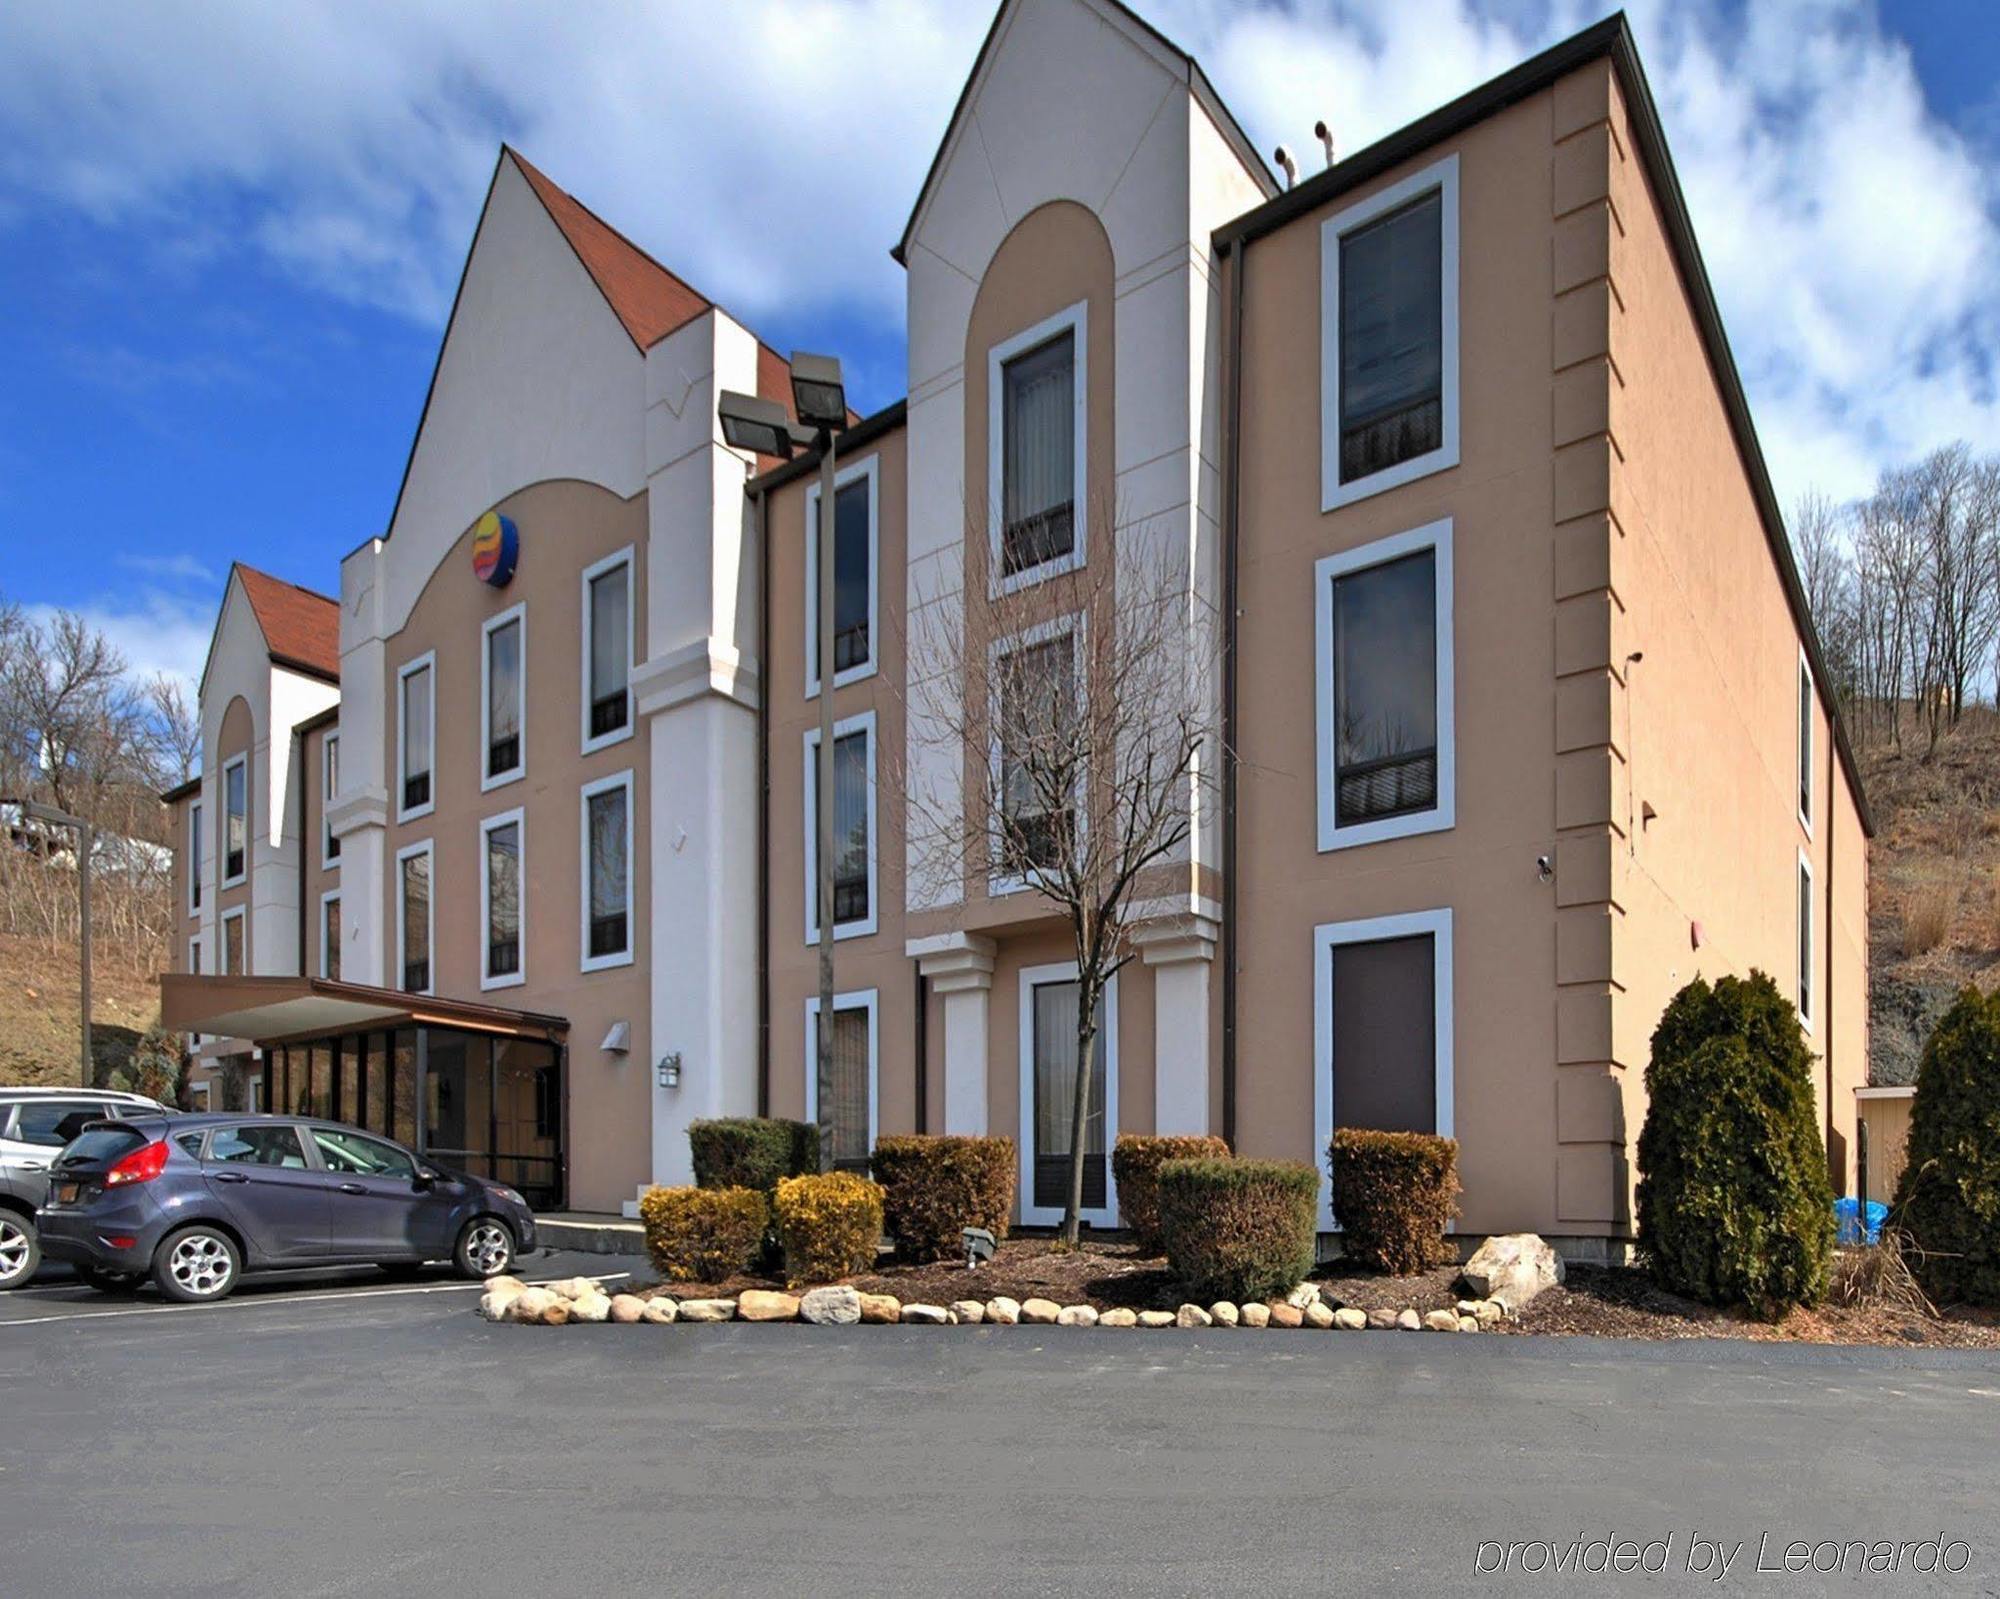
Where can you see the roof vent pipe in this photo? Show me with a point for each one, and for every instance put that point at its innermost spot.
(1325, 136)
(1291, 168)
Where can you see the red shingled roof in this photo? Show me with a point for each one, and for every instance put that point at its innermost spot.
(301, 628)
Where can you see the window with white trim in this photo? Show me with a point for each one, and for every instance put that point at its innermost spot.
(416, 736)
(1037, 402)
(194, 957)
(1389, 337)
(1805, 743)
(235, 819)
(606, 827)
(329, 934)
(503, 697)
(854, 909)
(855, 543)
(854, 1075)
(500, 892)
(196, 864)
(233, 925)
(1038, 751)
(1805, 927)
(1387, 765)
(607, 651)
(329, 786)
(414, 902)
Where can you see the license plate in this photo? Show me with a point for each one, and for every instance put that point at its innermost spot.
(66, 1193)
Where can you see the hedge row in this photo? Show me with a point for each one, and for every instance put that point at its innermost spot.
(752, 1152)
(933, 1187)
(1948, 1200)
(704, 1235)
(828, 1226)
(1135, 1167)
(1394, 1194)
(1238, 1229)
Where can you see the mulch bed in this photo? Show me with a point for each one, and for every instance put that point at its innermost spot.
(1594, 1301)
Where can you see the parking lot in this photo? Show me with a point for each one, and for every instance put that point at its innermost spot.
(340, 1435)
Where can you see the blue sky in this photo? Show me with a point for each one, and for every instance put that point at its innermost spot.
(229, 233)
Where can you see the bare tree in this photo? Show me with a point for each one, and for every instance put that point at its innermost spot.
(1059, 735)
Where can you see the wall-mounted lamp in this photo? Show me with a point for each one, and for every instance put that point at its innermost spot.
(618, 1040)
(669, 1070)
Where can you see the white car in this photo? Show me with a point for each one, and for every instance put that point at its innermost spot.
(35, 1124)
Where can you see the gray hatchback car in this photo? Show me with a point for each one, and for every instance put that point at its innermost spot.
(194, 1202)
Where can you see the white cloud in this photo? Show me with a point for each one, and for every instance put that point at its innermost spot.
(160, 630)
(771, 152)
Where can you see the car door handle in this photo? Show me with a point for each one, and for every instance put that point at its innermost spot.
(352, 1188)
(231, 1177)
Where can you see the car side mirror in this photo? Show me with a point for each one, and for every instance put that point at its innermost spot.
(425, 1180)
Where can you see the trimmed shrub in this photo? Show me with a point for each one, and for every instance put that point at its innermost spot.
(1393, 1195)
(935, 1186)
(1135, 1166)
(752, 1151)
(1238, 1229)
(1734, 1202)
(829, 1226)
(1948, 1199)
(704, 1235)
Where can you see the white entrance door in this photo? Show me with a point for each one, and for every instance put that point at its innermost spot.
(1048, 1098)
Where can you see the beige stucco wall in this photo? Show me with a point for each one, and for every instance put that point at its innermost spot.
(564, 527)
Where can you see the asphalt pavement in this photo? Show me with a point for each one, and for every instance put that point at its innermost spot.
(341, 1435)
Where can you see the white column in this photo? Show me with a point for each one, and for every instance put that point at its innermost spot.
(1181, 954)
(359, 813)
(960, 969)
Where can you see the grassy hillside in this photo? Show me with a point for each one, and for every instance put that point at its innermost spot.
(1934, 885)
(38, 1012)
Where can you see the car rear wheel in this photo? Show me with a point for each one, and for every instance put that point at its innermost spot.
(20, 1249)
(485, 1247)
(197, 1265)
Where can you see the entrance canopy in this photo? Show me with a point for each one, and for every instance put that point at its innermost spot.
(277, 1009)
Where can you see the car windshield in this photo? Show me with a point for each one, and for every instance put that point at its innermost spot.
(101, 1144)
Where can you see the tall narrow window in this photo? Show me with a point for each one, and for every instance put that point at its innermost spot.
(500, 894)
(854, 547)
(417, 722)
(196, 863)
(328, 788)
(1040, 753)
(607, 651)
(1389, 336)
(1805, 744)
(329, 936)
(232, 942)
(853, 828)
(607, 872)
(236, 819)
(1805, 890)
(194, 956)
(853, 1076)
(413, 917)
(1384, 690)
(503, 708)
(1038, 478)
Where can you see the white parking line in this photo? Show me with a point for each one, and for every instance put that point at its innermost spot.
(329, 1297)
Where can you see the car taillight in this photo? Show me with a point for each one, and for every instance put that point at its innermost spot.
(141, 1166)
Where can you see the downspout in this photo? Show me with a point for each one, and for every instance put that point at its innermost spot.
(764, 807)
(922, 1054)
(1826, 924)
(299, 778)
(1231, 521)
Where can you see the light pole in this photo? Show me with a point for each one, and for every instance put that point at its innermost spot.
(86, 847)
(761, 426)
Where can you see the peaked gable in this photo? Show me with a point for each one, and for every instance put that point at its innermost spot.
(301, 627)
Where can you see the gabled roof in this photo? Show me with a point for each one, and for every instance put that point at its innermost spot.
(301, 627)
(1203, 91)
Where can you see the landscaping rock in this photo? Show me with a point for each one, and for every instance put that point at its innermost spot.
(1512, 1268)
(1156, 1318)
(496, 1307)
(1002, 1310)
(1040, 1312)
(1076, 1316)
(1468, 1324)
(1283, 1315)
(764, 1304)
(1383, 1320)
(505, 1285)
(1253, 1315)
(1348, 1319)
(528, 1305)
(1319, 1314)
(556, 1313)
(968, 1312)
(1409, 1321)
(573, 1287)
(1119, 1317)
(1193, 1316)
(927, 1315)
(1223, 1314)
(1303, 1295)
(1442, 1321)
(661, 1311)
(881, 1308)
(708, 1310)
(627, 1308)
(1484, 1311)
(830, 1307)
(590, 1307)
